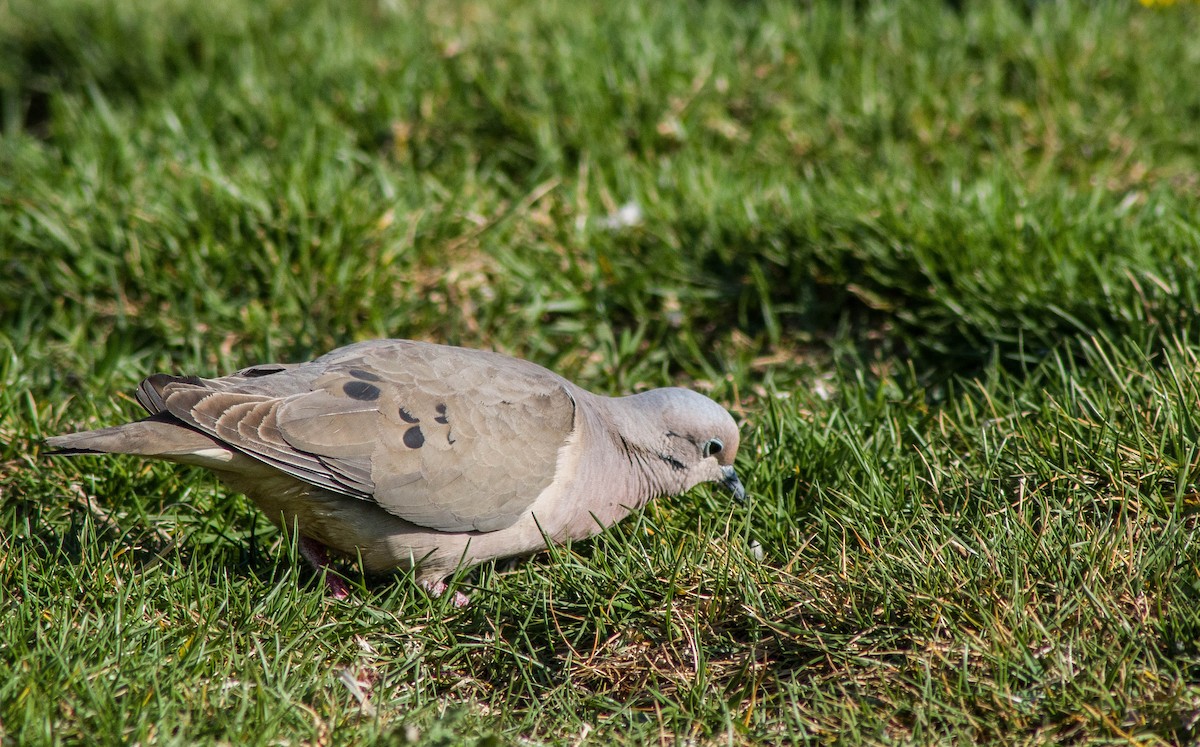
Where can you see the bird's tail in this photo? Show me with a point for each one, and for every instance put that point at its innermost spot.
(157, 436)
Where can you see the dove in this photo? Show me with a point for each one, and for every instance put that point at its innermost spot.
(413, 455)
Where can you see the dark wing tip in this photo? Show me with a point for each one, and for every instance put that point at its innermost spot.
(150, 391)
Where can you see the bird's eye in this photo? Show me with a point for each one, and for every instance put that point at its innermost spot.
(713, 446)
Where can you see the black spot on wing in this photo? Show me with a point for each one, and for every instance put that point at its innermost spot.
(441, 411)
(358, 373)
(361, 390)
(407, 416)
(414, 438)
(265, 369)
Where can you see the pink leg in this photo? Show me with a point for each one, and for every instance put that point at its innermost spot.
(437, 588)
(314, 552)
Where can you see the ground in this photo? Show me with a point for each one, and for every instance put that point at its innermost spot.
(940, 260)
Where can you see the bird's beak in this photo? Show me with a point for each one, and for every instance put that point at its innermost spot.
(730, 481)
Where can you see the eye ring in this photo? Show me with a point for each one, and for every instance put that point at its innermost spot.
(713, 447)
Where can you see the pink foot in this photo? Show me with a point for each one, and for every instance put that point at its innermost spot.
(436, 589)
(316, 555)
(336, 586)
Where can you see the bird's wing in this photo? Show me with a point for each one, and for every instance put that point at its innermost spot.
(446, 438)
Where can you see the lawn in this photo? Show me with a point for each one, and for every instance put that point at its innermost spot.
(941, 260)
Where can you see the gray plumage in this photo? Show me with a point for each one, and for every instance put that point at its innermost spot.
(413, 454)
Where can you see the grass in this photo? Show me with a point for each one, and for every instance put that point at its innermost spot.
(941, 261)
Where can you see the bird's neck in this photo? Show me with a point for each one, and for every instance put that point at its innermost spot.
(621, 454)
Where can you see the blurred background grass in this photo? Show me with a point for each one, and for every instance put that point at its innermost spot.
(941, 259)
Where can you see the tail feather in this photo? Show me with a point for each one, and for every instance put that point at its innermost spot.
(157, 436)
